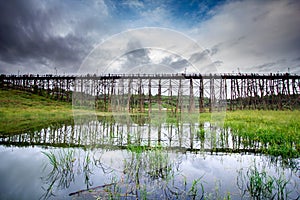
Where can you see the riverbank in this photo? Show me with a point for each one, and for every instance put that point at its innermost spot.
(22, 111)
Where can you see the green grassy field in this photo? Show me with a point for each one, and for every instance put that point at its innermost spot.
(278, 132)
(21, 111)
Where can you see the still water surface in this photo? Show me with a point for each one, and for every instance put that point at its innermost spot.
(107, 159)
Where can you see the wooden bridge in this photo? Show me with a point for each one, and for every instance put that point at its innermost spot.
(177, 92)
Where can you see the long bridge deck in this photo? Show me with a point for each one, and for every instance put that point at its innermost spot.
(154, 76)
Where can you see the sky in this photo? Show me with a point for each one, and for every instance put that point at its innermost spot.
(68, 36)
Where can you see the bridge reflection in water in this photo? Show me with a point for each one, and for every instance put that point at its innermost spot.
(114, 159)
(139, 130)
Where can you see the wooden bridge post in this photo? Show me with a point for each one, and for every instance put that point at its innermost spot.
(179, 97)
(294, 86)
(212, 93)
(231, 93)
(201, 95)
(159, 95)
(141, 95)
(225, 90)
(191, 100)
(276, 91)
(112, 92)
(255, 94)
(149, 97)
(170, 100)
(121, 96)
(129, 95)
(262, 93)
(221, 93)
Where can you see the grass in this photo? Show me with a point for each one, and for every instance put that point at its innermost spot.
(21, 111)
(61, 175)
(258, 184)
(277, 132)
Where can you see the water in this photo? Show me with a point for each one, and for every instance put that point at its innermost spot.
(105, 158)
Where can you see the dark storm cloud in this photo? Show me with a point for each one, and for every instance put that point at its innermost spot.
(276, 66)
(144, 57)
(215, 49)
(260, 16)
(40, 35)
(296, 59)
(137, 57)
(225, 45)
(196, 57)
(28, 35)
(218, 63)
(176, 62)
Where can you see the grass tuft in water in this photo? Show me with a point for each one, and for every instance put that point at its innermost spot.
(257, 184)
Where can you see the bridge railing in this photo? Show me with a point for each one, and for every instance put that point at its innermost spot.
(155, 75)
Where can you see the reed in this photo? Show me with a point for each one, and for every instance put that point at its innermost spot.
(258, 184)
(193, 192)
